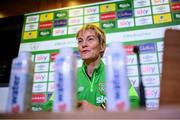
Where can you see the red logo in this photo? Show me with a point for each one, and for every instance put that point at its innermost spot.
(62, 107)
(120, 106)
(108, 16)
(15, 108)
(53, 56)
(175, 7)
(38, 98)
(44, 25)
(129, 49)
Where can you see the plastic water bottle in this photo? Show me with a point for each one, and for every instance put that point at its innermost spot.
(116, 79)
(65, 70)
(20, 86)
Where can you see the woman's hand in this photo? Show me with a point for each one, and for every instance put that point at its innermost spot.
(85, 106)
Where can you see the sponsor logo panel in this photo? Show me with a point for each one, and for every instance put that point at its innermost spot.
(46, 17)
(60, 23)
(124, 5)
(40, 77)
(160, 9)
(59, 31)
(149, 69)
(76, 12)
(147, 20)
(108, 16)
(45, 33)
(158, 2)
(141, 3)
(125, 14)
(134, 81)
(125, 23)
(52, 66)
(163, 18)
(152, 92)
(38, 98)
(160, 46)
(175, 7)
(91, 10)
(34, 18)
(45, 25)
(74, 29)
(108, 25)
(53, 56)
(129, 49)
(39, 87)
(176, 16)
(51, 87)
(51, 76)
(91, 18)
(31, 27)
(75, 20)
(152, 104)
(151, 80)
(131, 59)
(142, 11)
(42, 57)
(108, 7)
(41, 67)
(30, 35)
(175, 0)
(148, 58)
(148, 47)
(61, 14)
(132, 70)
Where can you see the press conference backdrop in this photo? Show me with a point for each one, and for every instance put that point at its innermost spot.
(134, 22)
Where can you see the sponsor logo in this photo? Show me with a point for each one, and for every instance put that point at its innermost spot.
(44, 25)
(125, 23)
(143, 11)
(175, 0)
(51, 87)
(148, 58)
(34, 46)
(91, 18)
(61, 15)
(149, 69)
(125, 14)
(74, 29)
(60, 23)
(108, 7)
(134, 81)
(124, 5)
(46, 17)
(42, 57)
(132, 70)
(91, 10)
(52, 66)
(100, 99)
(51, 76)
(131, 59)
(160, 46)
(40, 77)
(143, 20)
(31, 27)
(38, 98)
(152, 104)
(176, 16)
(160, 9)
(129, 49)
(157, 2)
(141, 3)
(175, 7)
(76, 12)
(53, 56)
(108, 24)
(30, 35)
(39, 87)
(152, 92)
(44, 33)
(108, 16)
(34, 18)
(149, 47)
(160, 55)
(59, 31)
(151, 80)
(41, 67)
(76, 21)
(163, 18)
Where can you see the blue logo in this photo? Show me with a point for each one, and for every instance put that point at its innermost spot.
(125, 14)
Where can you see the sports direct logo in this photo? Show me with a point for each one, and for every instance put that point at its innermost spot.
(108, 16)
(38, 98)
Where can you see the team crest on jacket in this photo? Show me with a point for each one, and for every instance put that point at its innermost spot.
(101, 88)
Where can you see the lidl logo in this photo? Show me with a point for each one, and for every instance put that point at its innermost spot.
(45, 33)
(108, 7)
(91, 10)
(108, 16)
(175, 7)
(176, 16)
(34, 18)
(76, 12)
(157, 2)
(61, 14)
(141, 3)
(30, 35)
(124, 5)
(108, 25)
(46, 17)
(45, 25)
(142, 11)
(60, 23)
(125, 14)
(91, 18)
(163, 18)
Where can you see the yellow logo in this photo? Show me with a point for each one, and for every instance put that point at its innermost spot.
(46, 17)
(108, 7)
(162, 18)
(30, 35)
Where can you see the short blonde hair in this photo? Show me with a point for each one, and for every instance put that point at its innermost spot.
(98, 32)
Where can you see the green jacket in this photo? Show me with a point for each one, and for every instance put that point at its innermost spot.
(93, 89)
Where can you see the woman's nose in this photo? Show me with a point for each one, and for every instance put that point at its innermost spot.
(84, 43)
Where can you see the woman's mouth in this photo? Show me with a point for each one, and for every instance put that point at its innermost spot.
(85, 51)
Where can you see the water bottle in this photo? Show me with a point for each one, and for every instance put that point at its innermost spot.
(65, 71)
(116, 79)
(20, 86)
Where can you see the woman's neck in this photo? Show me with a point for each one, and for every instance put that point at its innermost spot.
(91, 65)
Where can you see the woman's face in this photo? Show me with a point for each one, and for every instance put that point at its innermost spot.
(89, 46)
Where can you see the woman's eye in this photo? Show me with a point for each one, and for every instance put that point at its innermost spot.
(90, 39)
